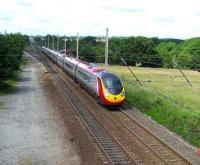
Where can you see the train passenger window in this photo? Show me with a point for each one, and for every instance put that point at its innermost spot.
(68, 66)
(84, 75)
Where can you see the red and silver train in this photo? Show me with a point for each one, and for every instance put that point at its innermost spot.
(106, 87)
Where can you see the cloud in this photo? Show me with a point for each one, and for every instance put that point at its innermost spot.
(197, 13)
(171, 18)
(24, 3)
(165, 20)
(118, 9)
(5, 18)
(41, 20)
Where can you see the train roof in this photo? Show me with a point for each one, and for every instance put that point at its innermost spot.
(107, 75)
(88, 67)
(72, 60)
(52, 51)
(85, 65)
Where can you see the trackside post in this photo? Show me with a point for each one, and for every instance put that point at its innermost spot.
(131, 72)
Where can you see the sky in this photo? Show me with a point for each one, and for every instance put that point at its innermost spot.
(150, 18)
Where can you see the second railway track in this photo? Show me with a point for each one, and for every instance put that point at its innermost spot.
(122, 140)
(153, 143)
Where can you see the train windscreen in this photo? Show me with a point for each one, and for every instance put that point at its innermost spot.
(112, 83)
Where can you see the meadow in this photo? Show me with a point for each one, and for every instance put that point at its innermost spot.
(166, 97)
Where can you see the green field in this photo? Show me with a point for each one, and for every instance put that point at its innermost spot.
(166, 97)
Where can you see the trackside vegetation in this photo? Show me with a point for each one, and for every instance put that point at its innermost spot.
(11, 50)
(166, 97)
(140, 51)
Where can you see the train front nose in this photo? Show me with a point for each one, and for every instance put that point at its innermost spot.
(115, 99)
(113, 89)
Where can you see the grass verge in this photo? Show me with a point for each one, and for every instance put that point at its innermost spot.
(166, 98)
(1, 104)
(8, 86)
(173, 117)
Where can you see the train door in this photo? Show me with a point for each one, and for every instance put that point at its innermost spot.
(94, 85)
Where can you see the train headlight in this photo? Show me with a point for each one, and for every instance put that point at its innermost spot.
(123, 94)
(106, 94)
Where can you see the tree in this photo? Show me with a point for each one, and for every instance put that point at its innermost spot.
(167, 50)
(11, 49)
(189, 53)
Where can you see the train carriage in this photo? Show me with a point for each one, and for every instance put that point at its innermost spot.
(70, 66)
(60, 60)
(51, 54)
(105, 86)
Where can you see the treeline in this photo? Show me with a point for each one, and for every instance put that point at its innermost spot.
(141, 51)
(11, 50)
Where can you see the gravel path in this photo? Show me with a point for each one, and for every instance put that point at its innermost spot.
(31, 132)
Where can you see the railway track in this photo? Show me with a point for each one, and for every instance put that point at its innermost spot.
(108, 143)
(145, 148)
(154, 143)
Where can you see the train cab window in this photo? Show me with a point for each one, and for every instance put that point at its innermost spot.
(112, 83)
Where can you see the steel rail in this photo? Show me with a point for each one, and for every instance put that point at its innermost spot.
(152, 135)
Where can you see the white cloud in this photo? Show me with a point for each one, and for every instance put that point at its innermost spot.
(161, 18)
